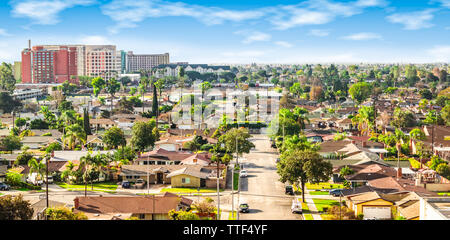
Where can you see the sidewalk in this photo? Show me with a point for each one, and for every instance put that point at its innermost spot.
(312, 206)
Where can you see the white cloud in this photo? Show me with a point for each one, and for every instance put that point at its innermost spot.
(128, 13)
(4, 33)
(363, 36)
(254, 36)
(44, 11)
(413, 20)
(94, 40)
(440, 53)
(284, 44)
(445, 3)
(319, 32)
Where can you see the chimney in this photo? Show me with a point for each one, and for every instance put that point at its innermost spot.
(76, 202)
(364, 143)
(353, 142)
(399, 173)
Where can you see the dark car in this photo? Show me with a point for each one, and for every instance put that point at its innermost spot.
(244, 208)
(126, 184)
(289, 190)
(4, 187)
(336, 192)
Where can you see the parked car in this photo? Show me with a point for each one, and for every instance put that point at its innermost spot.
(296, 207)
(4, 187)
(126, 184)
(50, 179)
(244, 208)
(243, 173)
(33, 179)
(289, 190)
(140, 183)
(336, 192)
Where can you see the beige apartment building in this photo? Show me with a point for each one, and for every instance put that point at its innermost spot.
(138, 62)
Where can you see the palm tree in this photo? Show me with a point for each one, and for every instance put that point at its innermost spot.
(86, 165)
(399, 137)
(68, 171)
(74, 132)
(37, 167)
(418, 135)
(143, 88)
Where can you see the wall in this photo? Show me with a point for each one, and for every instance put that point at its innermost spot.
(212, 183)
(377, 202)
(437, 187)
(177, 182)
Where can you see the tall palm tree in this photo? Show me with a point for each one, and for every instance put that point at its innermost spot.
(37, 167)
(86, 166)
(75, 132)
(399, 137)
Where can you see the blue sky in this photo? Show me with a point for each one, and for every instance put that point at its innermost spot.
(231, 31)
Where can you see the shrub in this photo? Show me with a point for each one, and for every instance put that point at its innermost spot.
(360, 216)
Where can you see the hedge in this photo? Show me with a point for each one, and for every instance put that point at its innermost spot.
(247, 124)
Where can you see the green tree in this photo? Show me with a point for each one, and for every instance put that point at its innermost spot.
(86, 124)
(74, 132)
(237, 136)
(403, 118)
(444, 170)
(114, 137)
(182, 215)
(10, 143)
(7, 80)
(98, 84)
(112, 87)
(143, 135)
(8, 104)
(23, 158)
(346, 171)
(155, 102)
(360, 91)
(64, 213)
(37, 167)
(296, 89)
(299, 167)
(15, 208)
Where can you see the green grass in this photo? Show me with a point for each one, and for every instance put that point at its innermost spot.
(324, 203)
(319, 193)
(236, 181)
(23, 189)
(232, 215)
(444, 193)
(190, 190)
(103, 186)
(306, 213)
(318, 186)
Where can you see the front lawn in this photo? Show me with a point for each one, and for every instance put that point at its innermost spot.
(318, 186)
(444, 193)
(102, 186)
(190, 190)
(232, 215)
(319, 193)
(306, 213)
(324, 203)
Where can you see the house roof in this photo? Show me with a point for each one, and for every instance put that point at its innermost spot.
(162, 154)
(333, 146)
(134, 205)
(174, 140)
(190, 171)
(143, 170)
(411, 211)
(202, 159)
(371, 172)
(365, 197)
(101, 121)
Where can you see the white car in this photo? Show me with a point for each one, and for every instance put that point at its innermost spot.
(243, 173)
(296, 207)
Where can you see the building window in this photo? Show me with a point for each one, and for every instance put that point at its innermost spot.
(141, 216)
(186, 180)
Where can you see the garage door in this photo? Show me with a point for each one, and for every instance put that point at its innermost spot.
(377, 212)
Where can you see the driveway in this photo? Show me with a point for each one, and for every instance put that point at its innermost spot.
(261, 189)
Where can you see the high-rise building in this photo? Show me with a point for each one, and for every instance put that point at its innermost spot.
(49, 65)
(103, 61)
(60, 63)
(138, 62)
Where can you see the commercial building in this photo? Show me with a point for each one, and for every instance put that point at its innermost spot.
(138, 62)
(22, 94)
(42, 64)
(60, 63)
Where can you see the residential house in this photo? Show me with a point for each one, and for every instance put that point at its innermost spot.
(95, 142)
(344, 124)
(188, 177)
(435, 208)
(144, 208)
(37, 142)
(101, 123)
(162, 156)
(371, 204)
(172, 143)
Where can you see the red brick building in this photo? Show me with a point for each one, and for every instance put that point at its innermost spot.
(49, 65)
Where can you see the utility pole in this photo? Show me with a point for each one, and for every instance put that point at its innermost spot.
(148, 176)
(47, 161)
(218, 191)
(232, 190)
